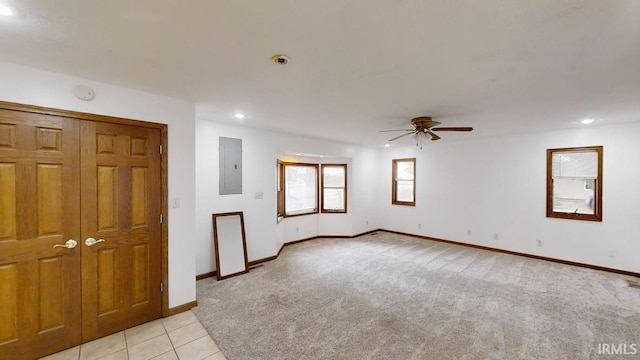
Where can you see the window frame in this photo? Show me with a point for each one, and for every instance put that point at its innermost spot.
(597, 192)
(394, 182)
(283, 179)
(279, 190)
(322, 188)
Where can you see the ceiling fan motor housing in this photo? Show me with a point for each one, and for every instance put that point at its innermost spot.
(424, 122)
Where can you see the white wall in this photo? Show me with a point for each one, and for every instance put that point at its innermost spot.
(35, 87)
(498, 185)
(260, 151)
(488, 186)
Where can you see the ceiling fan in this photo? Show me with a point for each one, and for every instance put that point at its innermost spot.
(425, 125)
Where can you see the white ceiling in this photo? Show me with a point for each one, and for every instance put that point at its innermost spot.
(501, 66)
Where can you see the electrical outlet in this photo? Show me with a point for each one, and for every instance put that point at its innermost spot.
(496, 236)
(367, 222)
(419, 226)
(613, 254)
(468, 232)
(539, 242)
(297, 229)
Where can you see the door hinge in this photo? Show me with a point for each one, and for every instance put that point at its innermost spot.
(161, 287)
(161, 219)
(160, 149)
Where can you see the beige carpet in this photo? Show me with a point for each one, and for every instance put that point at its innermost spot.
(387, 296)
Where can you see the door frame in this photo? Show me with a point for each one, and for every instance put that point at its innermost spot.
(164, 169)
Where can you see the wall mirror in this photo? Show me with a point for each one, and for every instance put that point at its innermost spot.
(230, 245)
(574, 183)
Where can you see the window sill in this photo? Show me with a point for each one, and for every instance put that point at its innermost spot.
(301, 213)
(403, 203)
(576, 216)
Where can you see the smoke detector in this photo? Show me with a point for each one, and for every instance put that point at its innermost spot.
(84, 93)
(280, 59)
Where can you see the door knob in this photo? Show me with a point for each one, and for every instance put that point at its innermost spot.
(70, 244)
(91, 241)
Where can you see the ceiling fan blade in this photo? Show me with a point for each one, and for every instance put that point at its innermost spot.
(434, 137)
(452, 129)
(403, 135)
(395, 130)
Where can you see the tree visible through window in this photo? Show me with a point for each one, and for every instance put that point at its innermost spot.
(334, 188)
(404, 189)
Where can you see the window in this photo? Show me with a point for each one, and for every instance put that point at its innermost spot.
(404, 179)
(334, 188)
(280, 189)
(574, 183)
(300, 188)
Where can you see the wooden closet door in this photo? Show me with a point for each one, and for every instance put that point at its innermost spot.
(121, 201)
(40, 298)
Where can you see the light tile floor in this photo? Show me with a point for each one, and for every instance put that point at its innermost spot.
(177, 337)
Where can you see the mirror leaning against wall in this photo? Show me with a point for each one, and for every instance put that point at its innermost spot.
(230, 244)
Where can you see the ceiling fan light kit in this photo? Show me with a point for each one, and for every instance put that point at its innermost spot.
(427, 126)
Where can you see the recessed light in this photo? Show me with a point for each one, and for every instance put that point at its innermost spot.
(238, 116)
(281, 59)
(298, 154)
(5, 11)
(587, 121)
(387, 145)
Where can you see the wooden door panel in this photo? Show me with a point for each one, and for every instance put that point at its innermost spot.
(139, 186)
(8, 303)
(26, 197)
(7, 136)
(139, 274)
(107, 189)
(49, 199)
(48, 139)
(109, 262)
(106, 143)
(39, 207)
(8, 206)
(121, 197)
(51, 293)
